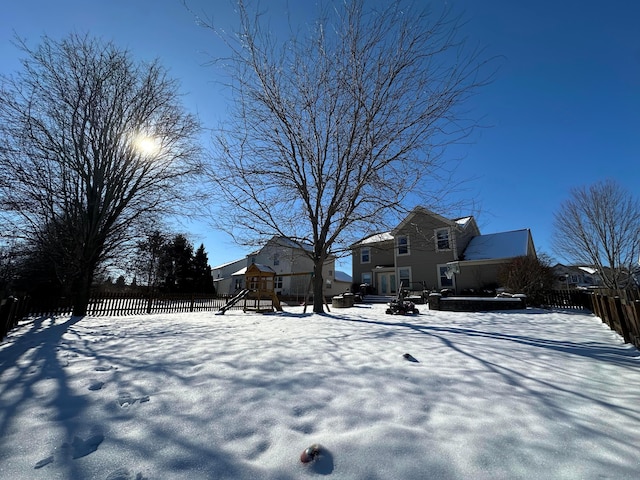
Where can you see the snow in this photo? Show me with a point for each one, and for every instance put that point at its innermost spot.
(497, 245)
(378, 237)
(501, 395)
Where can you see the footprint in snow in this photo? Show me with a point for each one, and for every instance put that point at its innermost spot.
(124, 474)
(126, 400)
(78, 448)
(95, 384)
(81, 448)
(103, 368)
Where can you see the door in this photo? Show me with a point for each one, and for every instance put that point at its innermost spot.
(386, 283)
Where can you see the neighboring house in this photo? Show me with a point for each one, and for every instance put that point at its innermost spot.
(573, 276)
(430, 252)
(293, 269)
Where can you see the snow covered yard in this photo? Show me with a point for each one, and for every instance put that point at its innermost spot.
(511, 395)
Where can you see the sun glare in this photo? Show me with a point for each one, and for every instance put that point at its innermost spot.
(146, 145)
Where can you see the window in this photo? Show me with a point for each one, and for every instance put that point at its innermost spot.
(365, 255)
(277, 282)
(404, 275)
(366, 278)
(442, 239)
(445, 281)
(276, 259)
(403, 245)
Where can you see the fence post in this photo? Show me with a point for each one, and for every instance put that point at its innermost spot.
(8, 320)
(622, 319)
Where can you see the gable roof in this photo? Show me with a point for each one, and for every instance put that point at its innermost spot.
(340, 276)
(498, 245)
(288, 243)
(422, 211)
(462, 223)
(376, 238)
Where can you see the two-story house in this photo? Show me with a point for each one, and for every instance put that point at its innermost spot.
(292, 265)
(428, 251)
(574, 276)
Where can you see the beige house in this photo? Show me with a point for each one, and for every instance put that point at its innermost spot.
(574, 276)
(429, 252)
(292, 265)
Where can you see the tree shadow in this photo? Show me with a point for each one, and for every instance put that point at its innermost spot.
(30, 356)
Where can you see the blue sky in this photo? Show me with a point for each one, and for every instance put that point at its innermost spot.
(563, 110)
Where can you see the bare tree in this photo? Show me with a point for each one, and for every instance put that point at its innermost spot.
(599, 226)
(147, 261)
(531, 275)
(334, 130)
(93, 144)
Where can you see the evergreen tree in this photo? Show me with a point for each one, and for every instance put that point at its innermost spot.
(203, 281)
(177, 266)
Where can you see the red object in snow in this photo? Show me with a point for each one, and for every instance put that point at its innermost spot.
(310, 453)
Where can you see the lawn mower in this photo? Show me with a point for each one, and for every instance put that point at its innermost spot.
(400, 306)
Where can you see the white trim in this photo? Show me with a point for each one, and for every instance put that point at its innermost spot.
(445, 266)
(408, 245)
(399, 278)
(449, 239)
(362, 250)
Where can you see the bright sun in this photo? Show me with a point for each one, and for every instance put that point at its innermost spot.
(146, 145)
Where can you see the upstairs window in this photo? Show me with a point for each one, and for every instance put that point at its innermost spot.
(443, 242)
(403, 245)
(365, 255)
(276, 259)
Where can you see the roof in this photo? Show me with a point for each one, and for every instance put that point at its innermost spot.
(342, 277)
(218, 267)
(287, 242)
(422, 211)
(378, 237)
(498, 245)
(464, 221)
(256, 266)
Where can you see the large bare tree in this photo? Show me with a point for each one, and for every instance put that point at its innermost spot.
(599, 225)
(93, 144)
(332, 130)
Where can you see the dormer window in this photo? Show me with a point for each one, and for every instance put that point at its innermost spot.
(443, 242)
(403, 245)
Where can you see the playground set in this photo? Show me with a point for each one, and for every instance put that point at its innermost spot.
(259, 294)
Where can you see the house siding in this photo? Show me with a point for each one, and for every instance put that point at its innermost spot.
(380, 255)
(284, 258)
(424, 260)
(483, 276)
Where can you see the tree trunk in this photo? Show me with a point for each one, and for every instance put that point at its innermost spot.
(318, 287)
(82, 293)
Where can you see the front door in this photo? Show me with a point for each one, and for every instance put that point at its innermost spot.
(386, 283)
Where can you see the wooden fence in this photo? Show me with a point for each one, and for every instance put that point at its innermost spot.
(620, 310)
(568, 299)
(13, 309)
